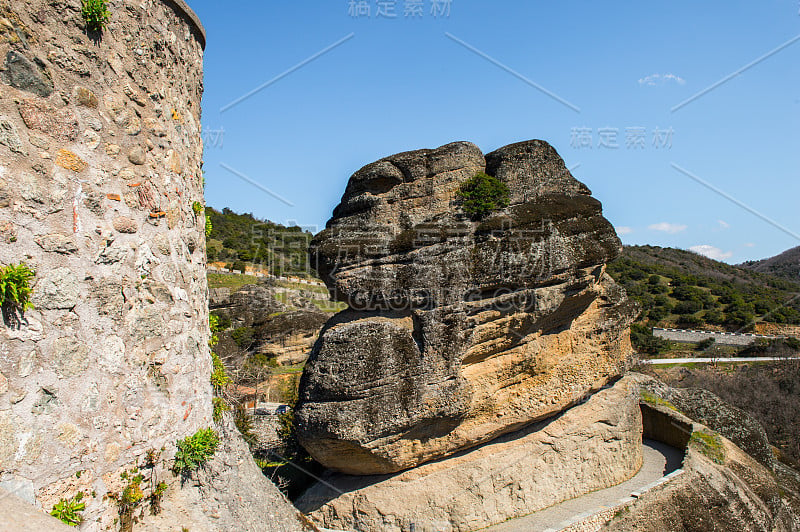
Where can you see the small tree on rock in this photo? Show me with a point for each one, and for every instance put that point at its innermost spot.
(483, 194)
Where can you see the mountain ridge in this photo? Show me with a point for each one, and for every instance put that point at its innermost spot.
(785, 265)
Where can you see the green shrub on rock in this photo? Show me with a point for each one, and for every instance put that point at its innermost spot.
(220, 407)
(483, 194)
(95, 14)
(69, 510)
(195, 450)
(219, 377)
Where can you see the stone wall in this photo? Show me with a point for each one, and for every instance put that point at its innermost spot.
(100, 163)
(720, 338)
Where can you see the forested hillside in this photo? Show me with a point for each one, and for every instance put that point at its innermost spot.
(786, 265)
(680, 288)
(242, 239)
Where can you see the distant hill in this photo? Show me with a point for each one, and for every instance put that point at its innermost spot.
(684, 289)
(243, 239)
(786, 265)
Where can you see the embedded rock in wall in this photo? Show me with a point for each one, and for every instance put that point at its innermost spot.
(113, 361)
(459, 330)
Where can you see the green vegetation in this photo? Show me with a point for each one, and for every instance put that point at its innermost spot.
(219, 322)
(133, 495)
(155, 497)
(483, 194)
(69, 510)
(197, 207)
(15, 288)
(219, 376)
(704, 345)
(678, 288)
(245, 425)
(643, 340)
(95, 14)
(220, 407)
(234, 282)
(653, 399)
(785, 265)
(215, 327)
(195, 450)
(243, 336)
(242, 237)
(710, 444)
(209, 226)
(131, 498)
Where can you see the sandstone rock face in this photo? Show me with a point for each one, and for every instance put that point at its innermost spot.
(591, 446)
(459, 330)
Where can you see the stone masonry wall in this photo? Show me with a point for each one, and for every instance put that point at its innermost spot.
(100, 163)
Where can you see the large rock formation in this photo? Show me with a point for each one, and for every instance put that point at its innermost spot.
(459, 330)
(591, 446)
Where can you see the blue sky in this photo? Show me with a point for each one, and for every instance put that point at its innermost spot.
(396, 84)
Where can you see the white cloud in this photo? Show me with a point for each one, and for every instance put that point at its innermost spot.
(711, 252)
(654, 79)
(666, 227)
(723, 224)
(749, 245)
(624, 230)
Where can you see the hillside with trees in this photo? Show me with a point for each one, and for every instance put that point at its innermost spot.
(677, 288)
(241, 240)
(786, 265)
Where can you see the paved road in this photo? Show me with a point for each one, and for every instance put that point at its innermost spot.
(662, 361)
(658, 461)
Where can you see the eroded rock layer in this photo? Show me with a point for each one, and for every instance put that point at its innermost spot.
(592, 446)
(460, 330)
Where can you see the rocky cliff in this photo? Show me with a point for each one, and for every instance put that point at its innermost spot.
(460, 330)
(594, 445)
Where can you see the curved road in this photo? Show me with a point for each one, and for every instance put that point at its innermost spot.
(658, 461)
